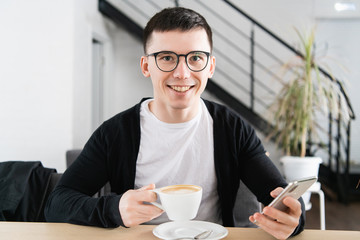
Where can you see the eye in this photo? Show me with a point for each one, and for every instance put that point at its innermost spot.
(166, 57)
(197, 56)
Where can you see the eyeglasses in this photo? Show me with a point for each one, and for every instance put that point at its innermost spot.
(167, 61)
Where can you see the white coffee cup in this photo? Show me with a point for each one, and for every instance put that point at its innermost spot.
(180, 202)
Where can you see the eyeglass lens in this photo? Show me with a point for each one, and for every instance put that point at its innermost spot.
(167, 61)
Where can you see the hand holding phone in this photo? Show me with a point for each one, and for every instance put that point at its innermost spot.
(294, 189)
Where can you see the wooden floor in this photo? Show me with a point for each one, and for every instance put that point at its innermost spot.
(338, 216)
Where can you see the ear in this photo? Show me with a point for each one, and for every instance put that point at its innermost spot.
(212, 62)
(144, 66)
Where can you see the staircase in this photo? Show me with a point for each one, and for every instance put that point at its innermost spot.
(244, 81)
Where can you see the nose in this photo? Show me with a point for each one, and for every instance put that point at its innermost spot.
(182, 71)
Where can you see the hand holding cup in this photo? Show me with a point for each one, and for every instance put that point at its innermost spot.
(180, 202)
(132, 208)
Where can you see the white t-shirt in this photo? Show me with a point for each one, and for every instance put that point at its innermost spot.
(180, 153)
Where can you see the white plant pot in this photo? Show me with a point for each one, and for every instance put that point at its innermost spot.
(296, 168)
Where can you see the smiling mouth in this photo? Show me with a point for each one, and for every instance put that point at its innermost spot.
(181, 88)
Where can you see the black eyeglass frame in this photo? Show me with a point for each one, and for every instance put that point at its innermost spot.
(178, 59)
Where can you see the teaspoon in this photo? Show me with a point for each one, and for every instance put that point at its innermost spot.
(202, 235)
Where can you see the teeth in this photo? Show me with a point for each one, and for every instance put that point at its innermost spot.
(180, 89)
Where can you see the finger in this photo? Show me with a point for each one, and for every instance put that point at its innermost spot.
(294, 206)
(133, 211)
(275, 228)
(263, 220)
(289, 218)
(136, 196)
(147, 187)
(276, 192)
(145, 195)
(276, 215)
(150, 210)
(252, 219)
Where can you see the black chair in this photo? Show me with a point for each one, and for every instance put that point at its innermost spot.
(71, 156)
(246, 204)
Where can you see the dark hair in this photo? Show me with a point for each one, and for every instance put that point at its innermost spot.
(176, 18)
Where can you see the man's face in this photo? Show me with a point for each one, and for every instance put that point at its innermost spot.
(180, 88)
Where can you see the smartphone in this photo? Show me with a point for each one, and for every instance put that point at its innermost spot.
(294, 189)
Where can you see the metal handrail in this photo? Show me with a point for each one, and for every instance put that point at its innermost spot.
(293, 50)
(340, 142)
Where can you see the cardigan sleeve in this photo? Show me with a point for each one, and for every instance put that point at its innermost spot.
(109, 156)
(240, 155)
(258, 171)
(72, 201)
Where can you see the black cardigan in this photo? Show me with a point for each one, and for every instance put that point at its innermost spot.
(23, 190)
(111, 154)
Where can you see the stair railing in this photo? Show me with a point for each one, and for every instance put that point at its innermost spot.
(338, 132)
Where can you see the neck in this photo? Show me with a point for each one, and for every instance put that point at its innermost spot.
(169, 114)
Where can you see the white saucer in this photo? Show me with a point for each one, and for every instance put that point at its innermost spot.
(172, 230)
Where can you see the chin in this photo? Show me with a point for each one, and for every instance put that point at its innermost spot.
(184, 104)
(180, 106)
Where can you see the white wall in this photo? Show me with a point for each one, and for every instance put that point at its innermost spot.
(36, 64)
(123, 82)
(345, 50)
(45, 76)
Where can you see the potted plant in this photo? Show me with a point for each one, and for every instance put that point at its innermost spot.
(305, 93)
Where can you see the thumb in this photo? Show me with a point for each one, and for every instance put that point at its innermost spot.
(147, 187)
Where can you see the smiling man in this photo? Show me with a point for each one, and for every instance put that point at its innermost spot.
(176, 137)
(179, 64)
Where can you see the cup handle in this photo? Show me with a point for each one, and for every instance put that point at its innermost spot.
(155, 203)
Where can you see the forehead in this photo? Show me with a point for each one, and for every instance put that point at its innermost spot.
(179, 41)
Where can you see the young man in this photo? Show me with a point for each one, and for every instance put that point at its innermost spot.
(173, 138)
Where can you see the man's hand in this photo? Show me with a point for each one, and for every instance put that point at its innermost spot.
(285, 222)
(132, 209)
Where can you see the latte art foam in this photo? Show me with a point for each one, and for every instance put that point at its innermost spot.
(180, 189)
